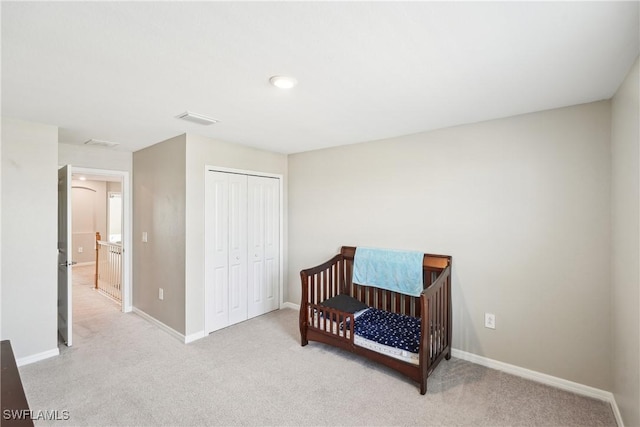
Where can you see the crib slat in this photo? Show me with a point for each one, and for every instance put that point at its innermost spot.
(440, 309)
(436, 307)
(324, 285)
(443, 317)
(334, 271)
(348, 279)
(332, 291)
(437, 319)
(440, 312)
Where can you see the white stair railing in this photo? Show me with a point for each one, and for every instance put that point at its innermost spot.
(108, 278)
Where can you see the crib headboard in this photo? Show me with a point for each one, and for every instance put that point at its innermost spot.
(432, 266)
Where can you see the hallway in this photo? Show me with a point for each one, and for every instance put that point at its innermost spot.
(91, 310)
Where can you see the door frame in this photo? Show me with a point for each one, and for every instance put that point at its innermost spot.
(127, 217)
(280, 177)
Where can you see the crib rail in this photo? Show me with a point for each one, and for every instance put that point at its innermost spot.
(436, 305)
(332, 322)
(318, 284)
(108, 277)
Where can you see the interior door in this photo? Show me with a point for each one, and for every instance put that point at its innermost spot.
(64, 254)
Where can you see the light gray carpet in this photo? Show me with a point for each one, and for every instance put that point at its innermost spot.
(123, 370)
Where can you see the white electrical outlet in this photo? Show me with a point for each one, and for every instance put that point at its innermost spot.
(160, 293)
(490, 320)
(145, 237)
(80, 249)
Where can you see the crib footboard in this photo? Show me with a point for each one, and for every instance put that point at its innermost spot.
(435, 325)
(319, 284)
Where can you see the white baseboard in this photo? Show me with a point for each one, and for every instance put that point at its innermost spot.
(185, 339)
(290, 305)
(616, 411)
(37, 357)
(164, 327)
(194, 337)
(560, 383)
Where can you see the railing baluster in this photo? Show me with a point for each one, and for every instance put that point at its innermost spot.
(108, 279)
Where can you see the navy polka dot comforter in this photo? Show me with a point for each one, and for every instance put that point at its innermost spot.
(390, 329)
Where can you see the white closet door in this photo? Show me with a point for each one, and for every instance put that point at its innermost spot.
(225, 249)
(237, 232)
(263, 244)
(217, 251)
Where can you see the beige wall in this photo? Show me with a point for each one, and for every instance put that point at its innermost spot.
(203, 151)
(89, 214)
(106, 160)
(520, 203)
(169, 205)
(625, 248)
(29, 236)
(94, 157)
(159, 210)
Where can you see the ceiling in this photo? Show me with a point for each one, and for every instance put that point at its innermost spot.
(122, 71)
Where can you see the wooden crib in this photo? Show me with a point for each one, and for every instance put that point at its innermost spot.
(335, 327)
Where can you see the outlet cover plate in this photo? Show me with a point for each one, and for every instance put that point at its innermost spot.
(490, 320)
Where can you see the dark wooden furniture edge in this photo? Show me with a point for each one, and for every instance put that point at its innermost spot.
(15, 408)
(430, 261)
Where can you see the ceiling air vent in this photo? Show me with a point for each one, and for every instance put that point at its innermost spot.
(197, 118)
(99, 143)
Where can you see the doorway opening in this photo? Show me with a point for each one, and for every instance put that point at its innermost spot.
(98, 236)
(96, 231)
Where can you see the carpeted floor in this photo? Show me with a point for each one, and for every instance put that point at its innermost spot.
(123, 370)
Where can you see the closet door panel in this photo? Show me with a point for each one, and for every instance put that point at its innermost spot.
(237, 248)
(271, 244)
(217, 251)
(220, 297)
(263, 236)
(256, 246)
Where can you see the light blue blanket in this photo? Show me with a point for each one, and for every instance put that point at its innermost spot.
(399, 271)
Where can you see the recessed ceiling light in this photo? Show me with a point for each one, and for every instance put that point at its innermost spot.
(196, 118)
(82, 178)
(283, 82)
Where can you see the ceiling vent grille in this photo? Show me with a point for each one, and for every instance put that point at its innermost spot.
(99, 143)
(197, 118)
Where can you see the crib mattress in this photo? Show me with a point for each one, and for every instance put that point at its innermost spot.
(405, 356)
(393, 334)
